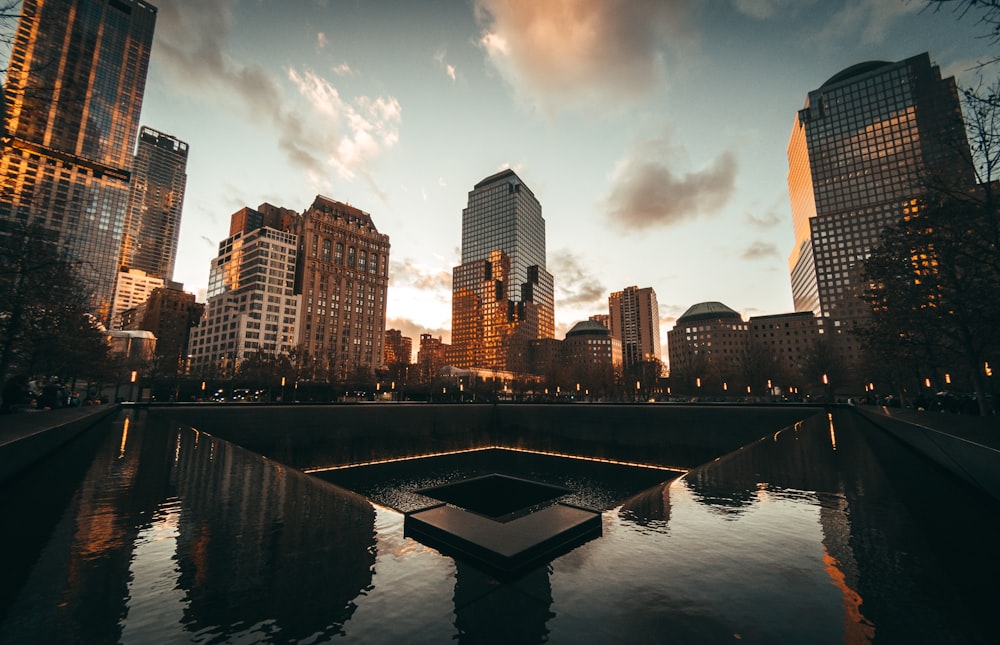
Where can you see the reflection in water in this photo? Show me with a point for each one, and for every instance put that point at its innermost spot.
(156, 533)
(170, 531)
(487, 611)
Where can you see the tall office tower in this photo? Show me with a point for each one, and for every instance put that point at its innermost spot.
(152, 225)
(252, 307)
(344, 275)
(859, 156)
(502, 296)
(72, 99)
(635, 321)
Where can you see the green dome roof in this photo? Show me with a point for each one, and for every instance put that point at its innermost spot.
(588, 328)
(708, 311)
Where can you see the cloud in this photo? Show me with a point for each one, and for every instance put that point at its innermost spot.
(575, 284)
(343, 69)
(448, 68)
(770, 218)
(763, 9)
(321, 40)
(759, 250)
(416, 275)
(326, 132)
(648, 190)
(559, 52)
(865, 20)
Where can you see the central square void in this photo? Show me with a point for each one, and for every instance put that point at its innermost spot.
(495, 496)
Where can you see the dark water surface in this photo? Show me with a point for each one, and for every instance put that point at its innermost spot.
(146, 531)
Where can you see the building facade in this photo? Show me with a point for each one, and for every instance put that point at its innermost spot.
(169, 314)
(343, 276)
(252, 305)
(431, 357)
(132, 288)
(72, 99)
(502, 294)
(156, 198)
(398, 348)
(635, 322)
(860, 156)
(707, 345)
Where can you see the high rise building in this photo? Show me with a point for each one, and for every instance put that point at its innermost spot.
(635, 321)
(252, 306)
(152, 226)
(72, 100)
(502, 295)
(861, 152)
(344, 274)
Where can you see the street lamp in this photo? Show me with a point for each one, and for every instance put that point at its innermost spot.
(135, 375)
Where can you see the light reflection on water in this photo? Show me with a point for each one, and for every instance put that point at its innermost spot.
(162, 534)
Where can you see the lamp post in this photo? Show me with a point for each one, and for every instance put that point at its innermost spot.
(282, 389)
(132, 380)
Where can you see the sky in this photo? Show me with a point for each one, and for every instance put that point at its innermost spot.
(653, 132)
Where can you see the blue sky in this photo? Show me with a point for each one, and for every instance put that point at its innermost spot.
(653, 132)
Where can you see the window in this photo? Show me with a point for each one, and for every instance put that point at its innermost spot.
(351, 256)
(326, 251)
(339, 257)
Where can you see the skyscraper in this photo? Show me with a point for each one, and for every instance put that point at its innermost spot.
(502, 295)
(152, 225)
(635, 321)
(344, 275)
(72, 99)
(859, 157)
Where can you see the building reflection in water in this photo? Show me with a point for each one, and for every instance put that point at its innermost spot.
(889, 560)
(171, 527)
(156, 533)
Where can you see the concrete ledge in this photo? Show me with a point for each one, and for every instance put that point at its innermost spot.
(504, 549)
(27, 437)
(975, 463)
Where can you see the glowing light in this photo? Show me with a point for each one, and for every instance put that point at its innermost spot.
(121, 448)
(833, 434)
(633, 464)
(826, 380)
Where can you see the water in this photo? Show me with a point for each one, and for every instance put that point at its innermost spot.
(822, 534)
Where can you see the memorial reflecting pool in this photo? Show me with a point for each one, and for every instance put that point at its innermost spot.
(145, 530)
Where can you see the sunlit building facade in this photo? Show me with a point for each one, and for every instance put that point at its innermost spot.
(252, 307)
(72, 98)
(344, 277)
(132, 287)
(152, 226)
(635, 322)
(398, 348)
(861, 152)
(502, 294)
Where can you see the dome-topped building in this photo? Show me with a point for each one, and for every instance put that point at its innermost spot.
(708, 311)
(707, 334)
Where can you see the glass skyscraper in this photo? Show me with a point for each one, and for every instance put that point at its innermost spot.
(72, 99)
(502, 295)
(152, 225)
(859, 157)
